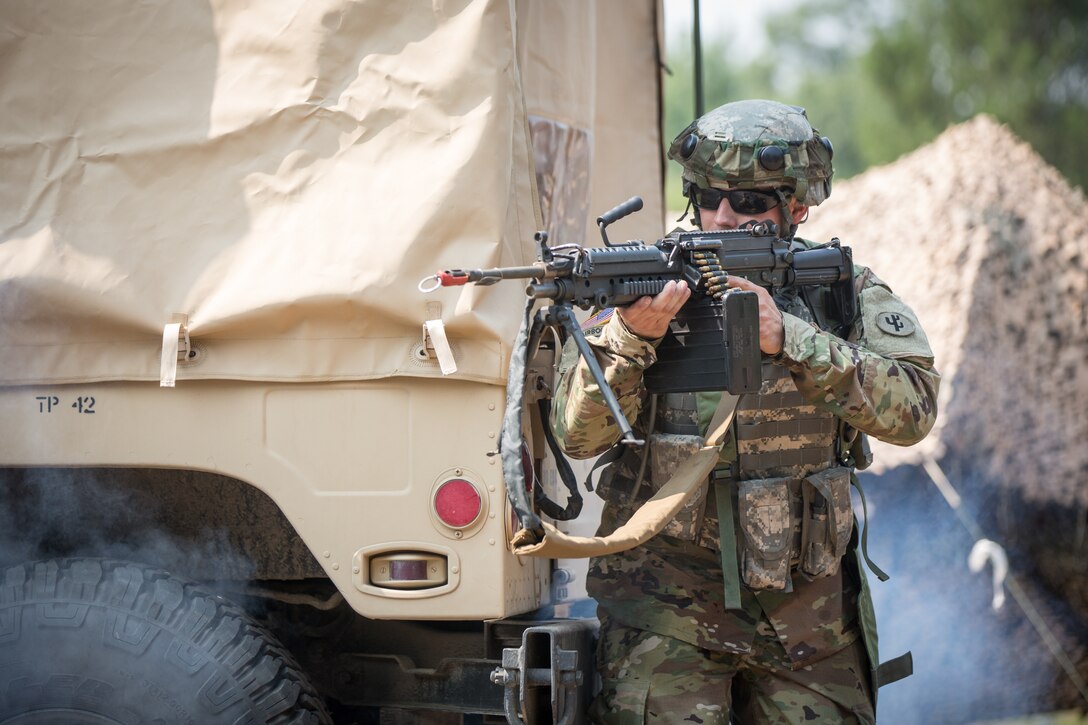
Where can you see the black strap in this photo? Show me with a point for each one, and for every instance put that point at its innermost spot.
(880, 574)
(893, 670)
(612, 454)
(566, 475)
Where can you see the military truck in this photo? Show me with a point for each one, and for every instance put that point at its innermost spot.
(248, 471)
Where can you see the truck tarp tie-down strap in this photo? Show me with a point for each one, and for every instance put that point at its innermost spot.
(652, 516)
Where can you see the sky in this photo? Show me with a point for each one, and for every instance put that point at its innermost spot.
(740, 20)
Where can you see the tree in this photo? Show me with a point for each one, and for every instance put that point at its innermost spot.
(882, 77)
(904, 71)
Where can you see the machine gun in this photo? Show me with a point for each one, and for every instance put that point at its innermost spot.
(712, 343)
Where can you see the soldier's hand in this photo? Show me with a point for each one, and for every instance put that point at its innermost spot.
(649, 317)
(772, 334)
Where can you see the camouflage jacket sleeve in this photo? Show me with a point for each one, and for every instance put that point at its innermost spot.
(583, 425)
(882, 381)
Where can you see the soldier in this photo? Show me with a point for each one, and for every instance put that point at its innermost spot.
(751, 603)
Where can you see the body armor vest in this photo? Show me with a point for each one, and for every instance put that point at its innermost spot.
(792, 497)
(776, 434)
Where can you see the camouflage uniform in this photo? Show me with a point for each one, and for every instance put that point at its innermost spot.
(648, 677)
(799, 643)
(797, 650)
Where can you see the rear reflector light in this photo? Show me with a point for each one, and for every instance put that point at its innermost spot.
(408, 570)
(457, 503)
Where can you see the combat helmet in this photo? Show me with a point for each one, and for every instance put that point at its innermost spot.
(756, 144)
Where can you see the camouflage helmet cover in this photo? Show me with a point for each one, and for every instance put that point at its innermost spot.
(756, 144)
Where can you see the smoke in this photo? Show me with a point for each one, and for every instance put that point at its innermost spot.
(971, 663)
(134, 516)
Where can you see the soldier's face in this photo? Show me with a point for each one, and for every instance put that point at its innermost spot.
(726, 217)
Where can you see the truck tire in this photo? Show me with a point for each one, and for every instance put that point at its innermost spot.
(92, 641)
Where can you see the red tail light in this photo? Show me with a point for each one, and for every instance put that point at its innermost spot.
(458, 503)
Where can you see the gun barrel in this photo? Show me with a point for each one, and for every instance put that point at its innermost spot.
(531, 271)
(552, 290)
(456, 277)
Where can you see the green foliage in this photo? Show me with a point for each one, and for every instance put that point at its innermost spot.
(1025, 63)
(882, 77)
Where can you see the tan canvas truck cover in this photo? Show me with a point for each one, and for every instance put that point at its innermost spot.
(273, 177)
(267, 184)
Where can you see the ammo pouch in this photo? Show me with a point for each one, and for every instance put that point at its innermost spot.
(766, 523)
(828, 521)
(787, 522)
(667, 451)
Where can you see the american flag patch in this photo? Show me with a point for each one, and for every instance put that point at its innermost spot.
(598, 319)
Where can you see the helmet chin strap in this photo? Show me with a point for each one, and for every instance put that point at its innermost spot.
(787, 217)
(694, 216)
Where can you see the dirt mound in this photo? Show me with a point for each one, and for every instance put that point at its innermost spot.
(989, 245)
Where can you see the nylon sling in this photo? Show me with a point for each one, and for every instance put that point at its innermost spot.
(652, 516)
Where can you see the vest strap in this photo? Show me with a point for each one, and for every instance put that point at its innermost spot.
(727, 542)
(880, 574)
(893, 670)
(723, 494)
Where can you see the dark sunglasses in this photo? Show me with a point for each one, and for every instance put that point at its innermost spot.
(743, 201)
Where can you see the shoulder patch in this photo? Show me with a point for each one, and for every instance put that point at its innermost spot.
(599, 319)
(890, 327)
(895, 323)
(596, 323)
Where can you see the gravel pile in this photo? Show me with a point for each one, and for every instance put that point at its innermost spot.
(989, 245)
